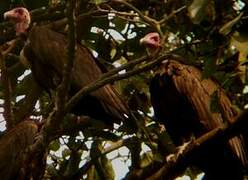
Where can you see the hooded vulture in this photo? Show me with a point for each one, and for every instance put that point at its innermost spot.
(45, 52)
(182, 99)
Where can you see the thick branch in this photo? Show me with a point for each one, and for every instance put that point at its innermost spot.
(62, 91)
(52, 124)
(114, 146)
(8, 113)
(224, 133)
(64, 86)
(116, 77)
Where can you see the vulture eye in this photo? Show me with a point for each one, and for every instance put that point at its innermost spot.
(19, 11)
(155, 38)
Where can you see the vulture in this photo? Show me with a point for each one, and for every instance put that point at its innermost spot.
(182, 99)
(45, 53)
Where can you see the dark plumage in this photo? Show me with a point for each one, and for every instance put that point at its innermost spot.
(45, 51)
(182, 99)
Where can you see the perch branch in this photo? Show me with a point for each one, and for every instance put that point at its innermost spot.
(116, 77)
(223, 133)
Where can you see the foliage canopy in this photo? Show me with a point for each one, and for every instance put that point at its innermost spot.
(211, 35)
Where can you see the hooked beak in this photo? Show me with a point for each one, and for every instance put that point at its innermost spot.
(8, 15)
(142, 41)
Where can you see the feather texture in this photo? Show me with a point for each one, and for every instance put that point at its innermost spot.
(182, 101)
(46, 52)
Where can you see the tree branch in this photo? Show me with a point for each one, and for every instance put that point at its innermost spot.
(8, 113)
(63, 88)
(163, 21)
(114, 146)
(220, 134)
(106, 79)
(152, 22)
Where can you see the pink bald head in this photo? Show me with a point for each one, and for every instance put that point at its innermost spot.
(151, 40)
(21, 17)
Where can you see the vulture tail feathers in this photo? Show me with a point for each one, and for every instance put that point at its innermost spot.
(46, 52)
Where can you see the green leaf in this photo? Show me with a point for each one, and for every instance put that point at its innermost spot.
(146, 159)
(215, 102)
(66, 153)
(226, 28)
(240, 41)
(119, 24)
(209, 67)
(54, 145)
(97, 2)
(197, 10)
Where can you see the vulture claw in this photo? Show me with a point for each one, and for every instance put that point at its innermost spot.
(172, 158)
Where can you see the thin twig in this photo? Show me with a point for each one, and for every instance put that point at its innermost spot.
(152, 22)
(163, 21)
(112, 10)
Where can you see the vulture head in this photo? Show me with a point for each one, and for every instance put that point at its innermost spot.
(44, 51)
(181, 99)
(20, 17)
(151, 41)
